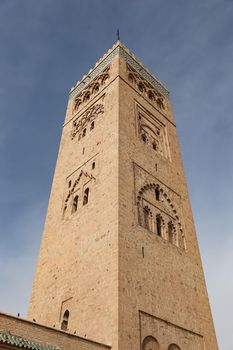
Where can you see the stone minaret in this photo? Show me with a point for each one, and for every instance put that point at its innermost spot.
(119, 261)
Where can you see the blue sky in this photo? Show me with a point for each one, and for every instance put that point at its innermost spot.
(46, 46)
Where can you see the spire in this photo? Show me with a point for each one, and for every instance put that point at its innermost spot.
(118, 34)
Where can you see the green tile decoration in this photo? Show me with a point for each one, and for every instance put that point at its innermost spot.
(120, 51)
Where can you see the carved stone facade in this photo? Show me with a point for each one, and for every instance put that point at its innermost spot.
(119, 260)
(146, 88)
(87, 120)
(152, 132)
(91, 89)
(78, 187)
(159, 208)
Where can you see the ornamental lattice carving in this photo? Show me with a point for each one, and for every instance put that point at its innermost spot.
(152, 132)
(89, 116)
(146, 88)
(158, 213)
(77, 183)
(95, 86)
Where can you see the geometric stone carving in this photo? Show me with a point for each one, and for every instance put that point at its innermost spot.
(95, 86)
(152, 132)
(77, 188)
(146, 88)
(80, 123)
(158, 209)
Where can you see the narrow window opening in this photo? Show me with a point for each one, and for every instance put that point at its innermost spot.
(146, 218)
(65, 320)
(83, 150)
(154, 146)
(93, 166)
(75, 204)
(159, 225)
(151, 95)
(96, 87)
(156, 167)
(143, 252)
(84, 132)
(157, 194)
(87, 96)
(170, 232)
(144, 139)
(69, 184)
(92, 125)
(86, 195)
(141, 87)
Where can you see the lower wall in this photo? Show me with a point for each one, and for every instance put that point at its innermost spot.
(46, 335)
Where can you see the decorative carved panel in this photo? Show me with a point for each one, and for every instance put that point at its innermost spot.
(146, 88)
(159, 208)
(91, 89)
(152, 132)
(77, 184)
(80, 123)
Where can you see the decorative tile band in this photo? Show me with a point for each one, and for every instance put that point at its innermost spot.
(119, 50)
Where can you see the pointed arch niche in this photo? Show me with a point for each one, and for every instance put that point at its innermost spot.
(158, 213)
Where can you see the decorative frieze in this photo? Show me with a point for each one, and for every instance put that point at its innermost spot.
(80, 123)
(159, 209)
(153, 95)
(78, 187)
(91, 89)
(152, 132)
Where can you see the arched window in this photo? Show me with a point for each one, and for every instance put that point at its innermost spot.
(69, 184)
(159, 225)
(157, 194)
(146, 213)
(141, 87)
(65, 320)
(93, 166)
(96, 87)
(86, 195)
(75, 204)
(92, 125)
(160, 103)
(104, 79)
(87, 96)
(77, 103)
(154, 145)
(84, 132)
(171, 232)
(150, 95)
(174, 347)
(150, 343)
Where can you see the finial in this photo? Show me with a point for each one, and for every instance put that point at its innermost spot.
(118, 34)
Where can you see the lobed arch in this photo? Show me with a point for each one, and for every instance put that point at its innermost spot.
(171, 230)
(157, 187)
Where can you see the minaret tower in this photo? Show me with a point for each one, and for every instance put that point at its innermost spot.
(119, 260)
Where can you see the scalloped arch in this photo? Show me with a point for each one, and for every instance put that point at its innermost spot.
(154, 186)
